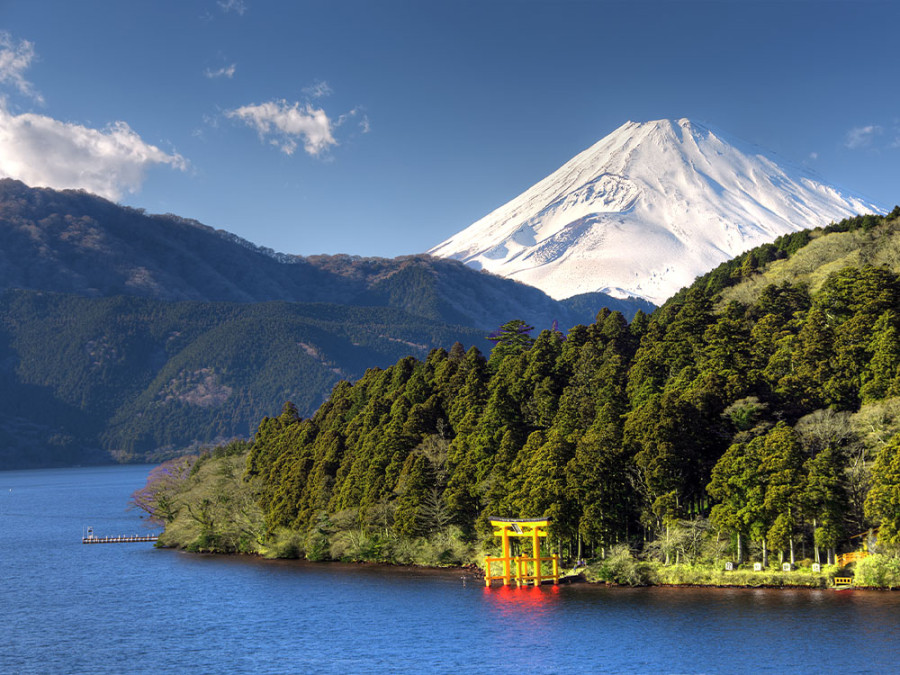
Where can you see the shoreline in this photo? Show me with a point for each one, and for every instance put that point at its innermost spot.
(473, 573)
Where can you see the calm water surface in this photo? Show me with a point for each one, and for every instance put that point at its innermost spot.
(130, 608)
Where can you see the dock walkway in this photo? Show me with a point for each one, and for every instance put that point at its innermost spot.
(119, 539)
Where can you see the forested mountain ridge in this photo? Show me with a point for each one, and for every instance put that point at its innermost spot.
(771, 421)
(74, 242)
(96, 380)
(106, 308)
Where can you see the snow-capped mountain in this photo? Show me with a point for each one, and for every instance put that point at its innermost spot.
(646, 210)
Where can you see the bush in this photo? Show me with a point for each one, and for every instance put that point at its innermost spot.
(879, 571)
(620, 567)
(408, 551)
(283, 543)
(317, 546)
(449, 548)
(703, 575)
(356, 546)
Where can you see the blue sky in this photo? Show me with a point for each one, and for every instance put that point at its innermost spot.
(383, 127)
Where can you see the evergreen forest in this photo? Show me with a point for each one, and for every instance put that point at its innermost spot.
(755, 416)
(133, 337)
(125, 379)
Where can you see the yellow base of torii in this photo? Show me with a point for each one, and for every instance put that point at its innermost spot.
(526, 568)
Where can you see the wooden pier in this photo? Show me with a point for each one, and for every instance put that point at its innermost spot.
(120, 539)
(91, 538)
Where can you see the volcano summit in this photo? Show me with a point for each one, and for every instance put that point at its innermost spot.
(646, 210)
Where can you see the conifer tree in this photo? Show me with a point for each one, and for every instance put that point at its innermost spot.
(782, 462)
(511, 338)
(881, 376)
(883, 502)
(825, 499)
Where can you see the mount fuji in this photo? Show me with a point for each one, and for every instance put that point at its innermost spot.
(646, 210)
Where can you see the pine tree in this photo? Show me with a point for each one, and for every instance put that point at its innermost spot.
(881, 376)
(825, 499)
(883, 502)
(511, 338)
(782, 462)
(598, 480)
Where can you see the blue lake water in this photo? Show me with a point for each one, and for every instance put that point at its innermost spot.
(131, 608)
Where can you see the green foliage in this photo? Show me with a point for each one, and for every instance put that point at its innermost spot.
(709, 575)
(510, 339)
(687, 542)
(878, 571)
(620, 567)
(883, 501)
(134, 379)
(711, 428)
(284, 543)
(124, 368)
(205, 504)
(160, 498)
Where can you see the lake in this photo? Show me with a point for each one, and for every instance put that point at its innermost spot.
(131, 608)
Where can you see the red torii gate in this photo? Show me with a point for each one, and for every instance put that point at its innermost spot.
(533, 528)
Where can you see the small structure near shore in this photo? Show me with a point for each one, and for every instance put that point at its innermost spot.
(845, 559)
(527, 568)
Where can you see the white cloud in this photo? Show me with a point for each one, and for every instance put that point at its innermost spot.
(15, 59)
(227, 71)
(236, 6)
(283, 125)
(862, 137)
(42, 151)
(318, 90)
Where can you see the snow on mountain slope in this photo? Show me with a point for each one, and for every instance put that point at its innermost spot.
(646, 210)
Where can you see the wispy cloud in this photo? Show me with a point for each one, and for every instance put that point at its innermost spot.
(862, 137)
(284, 125)
(15, 59)
(236, 6)
(226, 71)
(40, 150)
(895, 134)
(318, 90)
(358, 114)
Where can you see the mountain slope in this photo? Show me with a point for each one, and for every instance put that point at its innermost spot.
(128, 336)
(87, 380)
(646, 210)
(74, 242)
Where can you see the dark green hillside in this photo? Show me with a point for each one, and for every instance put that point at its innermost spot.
(138, 369)
(744, 416)
(129, 378)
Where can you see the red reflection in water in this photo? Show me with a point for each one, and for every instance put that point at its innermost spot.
(525, 604)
